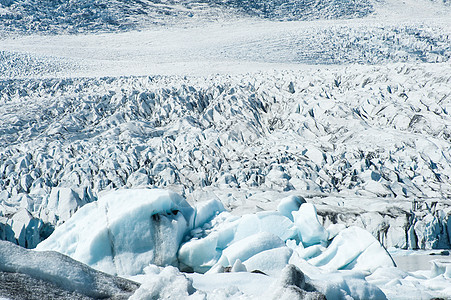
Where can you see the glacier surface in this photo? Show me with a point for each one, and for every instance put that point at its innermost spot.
(294, 140)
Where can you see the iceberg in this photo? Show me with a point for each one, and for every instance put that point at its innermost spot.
(124, 231)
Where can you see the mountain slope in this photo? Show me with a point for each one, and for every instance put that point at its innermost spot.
(50, 17)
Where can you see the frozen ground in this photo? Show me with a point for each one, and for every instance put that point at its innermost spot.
(346, 105)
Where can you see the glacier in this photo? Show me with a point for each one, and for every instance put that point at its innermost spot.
(242, 141)
(225, 149)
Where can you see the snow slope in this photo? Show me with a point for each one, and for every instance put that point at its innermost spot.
(227, 48)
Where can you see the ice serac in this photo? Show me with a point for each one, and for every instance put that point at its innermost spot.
(23, 229)
(62, 204)
(124, 231)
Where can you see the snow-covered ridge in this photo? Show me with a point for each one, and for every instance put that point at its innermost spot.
(368, 132)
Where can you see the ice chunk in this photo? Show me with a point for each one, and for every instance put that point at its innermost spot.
(353, 248)
(309, 252)
(290, 204)
(310, 230)
(248, 247)
(28, 231)
(124, 231)
(397, 284)
(337, 284)
(439, 267)
(271, 261)
(272, 222)
(205, 211)
(164, 284)
(346, 285)
(232, 285)
(200, 254)
(238, 267)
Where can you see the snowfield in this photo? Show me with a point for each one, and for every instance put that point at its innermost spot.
(225, 149)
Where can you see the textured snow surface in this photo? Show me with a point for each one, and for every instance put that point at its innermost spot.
(78, 16)
(227, 48)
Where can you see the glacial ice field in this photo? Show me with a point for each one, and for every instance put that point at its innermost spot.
(225, 149)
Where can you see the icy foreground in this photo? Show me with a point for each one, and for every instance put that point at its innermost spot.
(128, 232)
